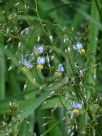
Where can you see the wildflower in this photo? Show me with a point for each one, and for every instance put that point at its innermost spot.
(26, 65)
(40, 62)
(76, 107)
(38, 50)
(79, 47)
(59, 70)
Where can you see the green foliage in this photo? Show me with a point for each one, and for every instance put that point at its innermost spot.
(37, 101)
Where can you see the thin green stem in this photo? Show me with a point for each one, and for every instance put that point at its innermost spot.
(98, 8)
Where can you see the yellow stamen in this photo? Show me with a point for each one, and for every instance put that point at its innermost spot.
(36, 53)
(82, 52)
(25, 70)
(40, 67)
(57, 73)
(76, 111)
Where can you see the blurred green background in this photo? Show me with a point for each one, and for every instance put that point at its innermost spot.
(38, 103)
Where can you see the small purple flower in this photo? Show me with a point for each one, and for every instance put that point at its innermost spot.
(39, 49)
(77, 106)
(78, 46)
(60, 68)
(27, 64)
(41, 60)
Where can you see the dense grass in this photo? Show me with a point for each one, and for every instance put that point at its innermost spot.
(39, 102)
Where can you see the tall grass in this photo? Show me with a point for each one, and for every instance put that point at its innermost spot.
(39, 102)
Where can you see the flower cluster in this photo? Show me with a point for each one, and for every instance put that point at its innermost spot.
(76, 108)
(41, 59)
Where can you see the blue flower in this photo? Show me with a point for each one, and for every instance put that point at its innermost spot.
(26, 65)
(40, 62)
(79, 47)
(60, 68)
(76, 106)
(38, 50)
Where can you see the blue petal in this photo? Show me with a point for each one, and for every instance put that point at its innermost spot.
(78, 46)
(77, 106)
(39, 49)
(41, 60)
(60, 68)
(27, 64)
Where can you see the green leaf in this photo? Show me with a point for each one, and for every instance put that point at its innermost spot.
(2, 73)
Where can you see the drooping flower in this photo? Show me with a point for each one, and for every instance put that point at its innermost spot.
(76, 108)
(38, 50)
(40, 62)
(59, 70)
(79, 47)
(27, 65)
